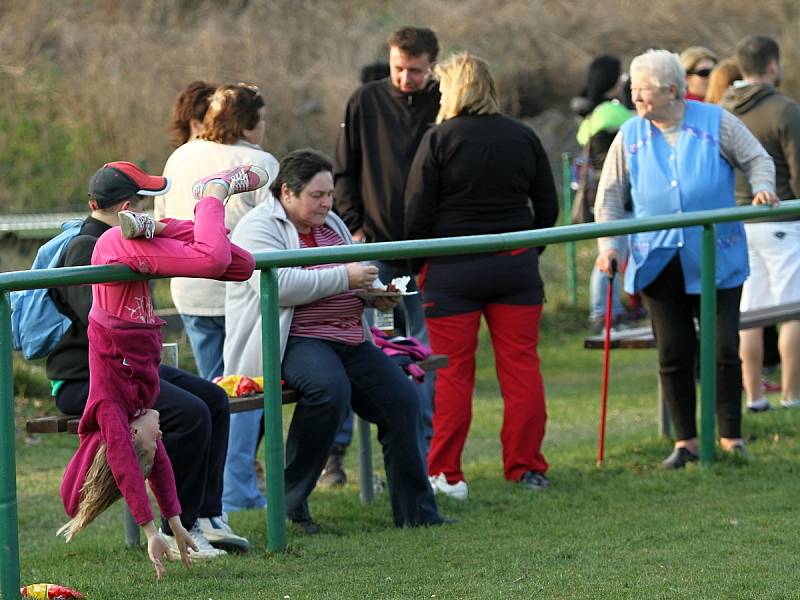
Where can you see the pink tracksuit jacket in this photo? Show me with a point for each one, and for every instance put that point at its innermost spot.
(125, 350)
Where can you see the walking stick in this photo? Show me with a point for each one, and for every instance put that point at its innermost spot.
(606, 360)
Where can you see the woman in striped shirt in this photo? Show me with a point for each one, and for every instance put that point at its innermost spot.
(326, 351)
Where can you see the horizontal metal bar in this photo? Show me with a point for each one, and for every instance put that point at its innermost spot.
(18, 280)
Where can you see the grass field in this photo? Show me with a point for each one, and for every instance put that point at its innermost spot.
(626, 530)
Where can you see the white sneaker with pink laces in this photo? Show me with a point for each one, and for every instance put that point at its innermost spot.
(242, 178)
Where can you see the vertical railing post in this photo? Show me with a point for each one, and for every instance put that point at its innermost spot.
(273, 412)
(708, 341)
(9, 534)
(566, 186)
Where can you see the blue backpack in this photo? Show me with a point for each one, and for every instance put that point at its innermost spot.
(37, 325)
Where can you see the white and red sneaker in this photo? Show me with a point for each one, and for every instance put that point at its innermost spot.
(136, 225)
(242, 178)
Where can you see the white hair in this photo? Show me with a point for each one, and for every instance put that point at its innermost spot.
(662, 67)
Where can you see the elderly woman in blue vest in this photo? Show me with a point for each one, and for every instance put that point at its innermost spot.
(678, 156)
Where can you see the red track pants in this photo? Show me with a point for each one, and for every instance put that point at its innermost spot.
(514, 331)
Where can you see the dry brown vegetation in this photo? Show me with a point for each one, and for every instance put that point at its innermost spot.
(85, 81)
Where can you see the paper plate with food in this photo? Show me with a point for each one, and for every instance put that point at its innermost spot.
(395, 289)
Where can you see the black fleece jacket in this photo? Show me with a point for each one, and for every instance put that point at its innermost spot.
(70, 359)
(477, 174)
(381, 131)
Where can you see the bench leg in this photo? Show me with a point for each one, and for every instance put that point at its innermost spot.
(664, 424)
(131, 528)
(365, 460)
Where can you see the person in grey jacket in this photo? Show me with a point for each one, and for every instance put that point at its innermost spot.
(326, 351)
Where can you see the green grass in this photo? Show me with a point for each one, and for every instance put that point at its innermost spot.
(626, 530)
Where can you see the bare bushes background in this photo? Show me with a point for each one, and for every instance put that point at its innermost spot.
(83, 82)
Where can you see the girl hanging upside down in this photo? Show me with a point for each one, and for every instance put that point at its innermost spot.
(120, 441)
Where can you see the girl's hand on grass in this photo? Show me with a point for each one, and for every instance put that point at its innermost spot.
(157, 548)
(183, 539)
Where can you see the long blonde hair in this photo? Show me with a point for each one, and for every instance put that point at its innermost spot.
(466, 86)
(99, 491)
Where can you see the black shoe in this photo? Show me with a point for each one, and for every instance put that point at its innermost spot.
(442, 521)
(305, 526)
(739, 453)
(534, 481)
(333, 474)
(679, 458)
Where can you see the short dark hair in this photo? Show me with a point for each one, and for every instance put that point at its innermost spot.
(298, 168)
(755, 52)
(415, 41)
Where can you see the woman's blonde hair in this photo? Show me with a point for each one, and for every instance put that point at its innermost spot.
(232, 110)
(721, 78)
(466, 86)
(99, 491)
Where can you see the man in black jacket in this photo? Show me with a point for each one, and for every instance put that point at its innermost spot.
(383, 124)
(194, 413)
(773, 246)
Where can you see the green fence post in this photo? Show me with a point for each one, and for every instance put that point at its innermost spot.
(9, 534)
(708, 337)
(566, 186)
(273, 415)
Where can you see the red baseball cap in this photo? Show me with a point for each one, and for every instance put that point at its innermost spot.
(116, 181)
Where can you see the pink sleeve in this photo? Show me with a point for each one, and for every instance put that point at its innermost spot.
(162, 482)
(241, 267)
(121, 456)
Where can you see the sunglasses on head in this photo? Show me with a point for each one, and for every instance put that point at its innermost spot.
(701, 72)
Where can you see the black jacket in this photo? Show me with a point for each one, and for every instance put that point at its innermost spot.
(477, 174)
(381, 131)
(774, 120)
(69, 360)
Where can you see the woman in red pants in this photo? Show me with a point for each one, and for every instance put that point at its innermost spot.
(481, 172)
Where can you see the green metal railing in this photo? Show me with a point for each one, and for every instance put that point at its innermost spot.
(268, 262)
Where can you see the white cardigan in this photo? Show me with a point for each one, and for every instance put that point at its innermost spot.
(267, 227)
(190, 162)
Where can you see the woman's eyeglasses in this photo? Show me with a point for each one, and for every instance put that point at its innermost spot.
(701, 72)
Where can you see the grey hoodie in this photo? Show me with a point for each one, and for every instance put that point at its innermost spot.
(774, 120)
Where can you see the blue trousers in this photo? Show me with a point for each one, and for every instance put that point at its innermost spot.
(378, 390)
(207, 338)
(412, 324)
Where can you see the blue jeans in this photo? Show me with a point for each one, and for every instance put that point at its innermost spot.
(413, 318)
(207, 338)
(598, 289)
(379, 391)
(240, 488)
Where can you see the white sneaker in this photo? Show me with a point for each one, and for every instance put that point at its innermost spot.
(760, 405)
(204, 548)
(455, 490)
(136, 225)
(217, 531)
(790, 403)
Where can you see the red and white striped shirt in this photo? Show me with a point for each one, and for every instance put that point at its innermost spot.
(336, 318)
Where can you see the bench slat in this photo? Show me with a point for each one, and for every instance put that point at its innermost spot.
(69, 423)
(642, 337)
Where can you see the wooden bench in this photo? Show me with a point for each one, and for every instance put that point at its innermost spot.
(642, 337)
(69, 424)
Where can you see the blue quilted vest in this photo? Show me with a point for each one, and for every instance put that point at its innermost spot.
(691, 176)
